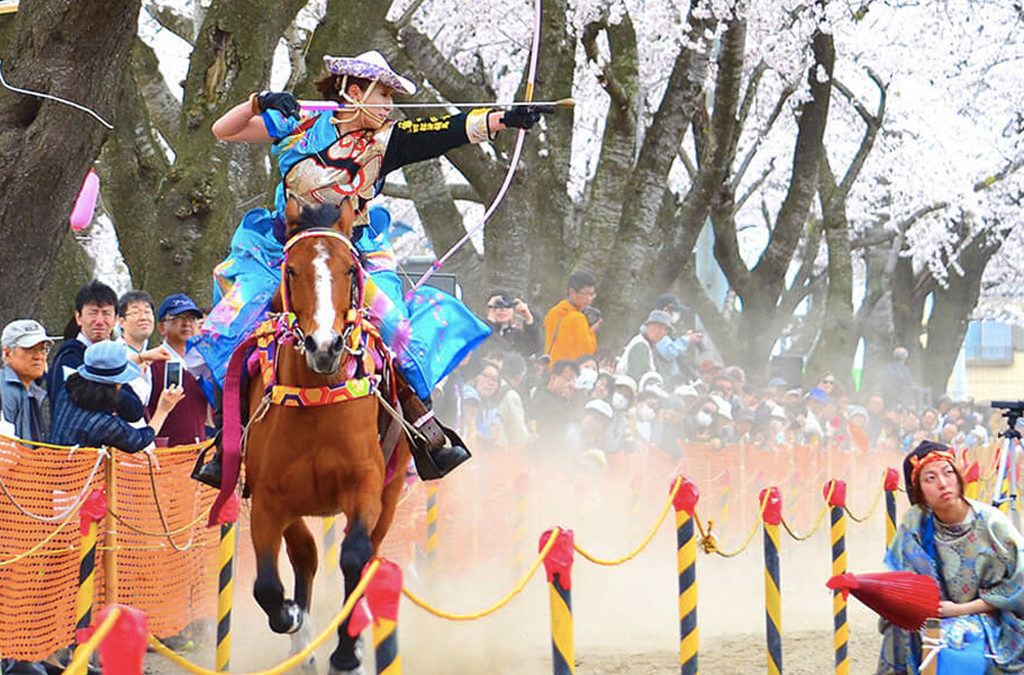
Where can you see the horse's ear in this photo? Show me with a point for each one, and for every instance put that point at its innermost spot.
(292, 211)
(276, 304)
(346, 218)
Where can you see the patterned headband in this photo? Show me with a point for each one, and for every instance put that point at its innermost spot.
(934, 456)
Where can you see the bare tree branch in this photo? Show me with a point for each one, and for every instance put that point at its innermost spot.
(620, 97)
(805, 276)
(728, 82)
(752, 151)
(407, 15)
(164, 109)
(169, 18)
(917, 215)
(691, 168)
(459, 191)
(769, 273)
(1006, 171)
(424, 57)
(748, 99)
(872, 125)
(755, 186)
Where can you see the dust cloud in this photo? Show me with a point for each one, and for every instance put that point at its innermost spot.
(626, 616)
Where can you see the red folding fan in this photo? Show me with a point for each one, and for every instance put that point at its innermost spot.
(905, 599)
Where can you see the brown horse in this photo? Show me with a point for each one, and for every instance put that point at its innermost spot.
(318, 460)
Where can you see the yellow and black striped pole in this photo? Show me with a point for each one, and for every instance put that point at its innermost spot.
(331, 556)
(835, 491)
(685, 503)
(723, 501)
(770, 503)
(971, 478)
(93, 510)
(432, 527)
(558, 565)
(225, 594)
(636, 489)
(383, 595)
(892, 483)
(522, 487)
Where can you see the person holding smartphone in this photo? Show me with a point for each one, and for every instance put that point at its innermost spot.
(512, 322)
(178, 319)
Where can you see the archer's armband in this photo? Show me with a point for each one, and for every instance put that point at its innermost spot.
(478, 125)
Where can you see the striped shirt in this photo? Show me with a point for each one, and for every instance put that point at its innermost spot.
(72, 425)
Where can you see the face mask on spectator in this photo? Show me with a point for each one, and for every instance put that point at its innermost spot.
(645, 414)
(703, 418)
(619, 401)
(587, 379)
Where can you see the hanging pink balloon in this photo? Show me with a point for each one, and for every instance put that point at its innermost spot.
(81, 215)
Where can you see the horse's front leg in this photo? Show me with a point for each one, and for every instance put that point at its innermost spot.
(356, 550)
(303, 556)
(268, 526)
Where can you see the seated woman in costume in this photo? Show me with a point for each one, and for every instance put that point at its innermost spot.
(87, 416)
(975, 555)
(328, 156)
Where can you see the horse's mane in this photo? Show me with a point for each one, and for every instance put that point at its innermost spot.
(318, 217)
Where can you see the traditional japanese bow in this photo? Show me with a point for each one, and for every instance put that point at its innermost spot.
(531, 78)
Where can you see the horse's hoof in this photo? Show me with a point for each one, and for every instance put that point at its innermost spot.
(309, 666)
(358, 670)
(357, 647)
(300, 640)
(288, 620)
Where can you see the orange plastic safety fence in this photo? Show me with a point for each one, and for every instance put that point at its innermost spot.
(172, 587)
(37, 591)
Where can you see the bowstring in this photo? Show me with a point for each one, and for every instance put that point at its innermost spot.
(58, 99)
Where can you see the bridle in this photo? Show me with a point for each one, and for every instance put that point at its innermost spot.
(356, 314)
(369, 362)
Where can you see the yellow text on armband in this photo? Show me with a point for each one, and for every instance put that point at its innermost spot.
(429, 124)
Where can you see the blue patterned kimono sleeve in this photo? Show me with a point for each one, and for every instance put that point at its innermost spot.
(278, 126)
(1002, 570)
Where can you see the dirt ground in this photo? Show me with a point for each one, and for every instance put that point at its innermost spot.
(625, 618)
(804, 653)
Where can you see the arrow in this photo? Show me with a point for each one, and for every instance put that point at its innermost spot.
(542, 106)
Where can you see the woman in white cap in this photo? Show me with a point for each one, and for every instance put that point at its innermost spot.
(328, 157)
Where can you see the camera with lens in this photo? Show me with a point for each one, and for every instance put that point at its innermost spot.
(1016, 406)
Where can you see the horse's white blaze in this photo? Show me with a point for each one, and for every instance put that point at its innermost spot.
(324, 314)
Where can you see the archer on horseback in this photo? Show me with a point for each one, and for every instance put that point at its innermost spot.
(327, 157)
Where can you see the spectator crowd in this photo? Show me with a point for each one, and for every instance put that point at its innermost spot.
(546, 386)
(536, 382)
(553, 384)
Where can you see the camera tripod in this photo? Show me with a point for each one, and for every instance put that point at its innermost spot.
(1007, 459)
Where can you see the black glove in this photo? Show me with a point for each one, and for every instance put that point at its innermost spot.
(521, 116)
(282, 101)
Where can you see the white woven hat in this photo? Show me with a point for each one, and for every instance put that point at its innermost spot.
(372, 66)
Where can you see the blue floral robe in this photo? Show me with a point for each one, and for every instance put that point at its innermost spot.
(430, 332)
(981, 558)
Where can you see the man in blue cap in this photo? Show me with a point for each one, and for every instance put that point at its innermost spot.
(178, 319)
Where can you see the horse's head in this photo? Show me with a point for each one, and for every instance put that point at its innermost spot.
(322, 282)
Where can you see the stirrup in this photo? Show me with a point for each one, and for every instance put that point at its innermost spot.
(431, 430)
(208, 473)
(433, 463)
